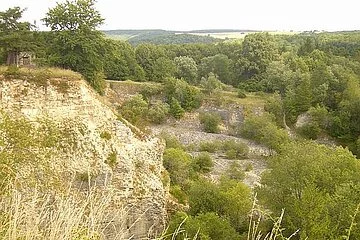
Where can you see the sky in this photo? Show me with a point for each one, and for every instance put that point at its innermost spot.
(281, 15)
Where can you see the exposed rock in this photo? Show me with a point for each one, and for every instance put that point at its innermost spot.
(302, 120)
(136, 175)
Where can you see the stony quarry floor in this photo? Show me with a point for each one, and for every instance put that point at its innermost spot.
(189, 132)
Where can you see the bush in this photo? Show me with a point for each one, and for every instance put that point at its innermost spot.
(158, 112)
(189, 97)
(262, 129)
(210, 147)
(178, 193)
(230, 200)
(241, 93)
(274, 106)
(309, 131)
(171, 141)
(111, 160)
(210, 122)
(175, 109)
(134, 110)
(204, 226)
(211, 83)
(205, 196)
(203, 163)
(235, 150)
(230, 154)
(248, 167)
(235, 172)
(12, 72)
(177, 163)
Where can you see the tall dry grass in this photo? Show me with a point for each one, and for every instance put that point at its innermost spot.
(256, 216)
(48, 216)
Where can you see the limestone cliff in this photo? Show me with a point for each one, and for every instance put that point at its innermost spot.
(107, 148)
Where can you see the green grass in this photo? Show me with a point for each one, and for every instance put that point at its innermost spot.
(252, 100)
(26, 73)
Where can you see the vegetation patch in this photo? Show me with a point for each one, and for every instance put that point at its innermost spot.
(105, 135)
(210, 122)
(111, 160)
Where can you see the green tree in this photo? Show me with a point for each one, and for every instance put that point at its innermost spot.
(238, 203)
(15, 36)
(205, 196)
(220, 65)
(76, 44)
(278, 77)
(163, 68)
(186, 68)
(318, 187)
(299, 97)
(147, 56)
(258, 51)
(188, 96)
(120, 62)
(211, 83)
(263, 129)
(175, 109)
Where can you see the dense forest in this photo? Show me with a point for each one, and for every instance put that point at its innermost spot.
(315, 188)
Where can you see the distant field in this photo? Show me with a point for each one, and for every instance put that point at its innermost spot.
(159, 36)
(239, 35)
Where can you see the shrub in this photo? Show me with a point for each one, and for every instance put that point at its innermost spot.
(248, 167)
(134, 110)
(210, 147)
(178, 193)
(158, 112)
(309, 131)
(175, 109)
(12, 72)
(262, 129)
(230, 154)
(171, 141)
(177, 163)
(204, 226)
(230, 200)
(235, 172)
(149, 91)
(235, 150)
(210, 122)
(211, 83)
(189, 97)
(274, 105)
(205, 196)
(203, 163)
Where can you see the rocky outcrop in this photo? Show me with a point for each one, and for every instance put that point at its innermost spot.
(108, 151)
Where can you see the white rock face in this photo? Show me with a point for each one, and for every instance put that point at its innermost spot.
(135, 177)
